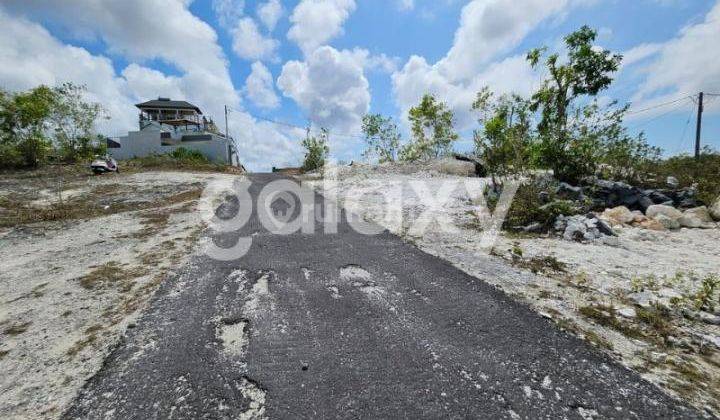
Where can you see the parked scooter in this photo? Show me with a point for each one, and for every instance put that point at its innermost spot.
(101, 165)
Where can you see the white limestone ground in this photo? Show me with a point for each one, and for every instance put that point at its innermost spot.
(69, 289)
(595, 290)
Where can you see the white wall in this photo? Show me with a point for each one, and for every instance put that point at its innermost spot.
(147, 142)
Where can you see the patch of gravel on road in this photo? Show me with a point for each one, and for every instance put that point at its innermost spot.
(70, 288)
(585, 288)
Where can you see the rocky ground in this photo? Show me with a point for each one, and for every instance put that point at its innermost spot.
(80, 256)
(647, 294)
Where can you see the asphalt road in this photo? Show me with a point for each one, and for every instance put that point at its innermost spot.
(352, 326)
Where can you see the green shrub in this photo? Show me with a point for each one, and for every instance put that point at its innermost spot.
(316, 150)
(535, 202)
(704, 172)
(189, 156)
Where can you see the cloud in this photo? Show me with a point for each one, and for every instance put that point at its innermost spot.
(330, 87)
(130, 28)
(406, 5)
(38, 57)
(488, 29)
(250, 44)
(259, 87)
(315, 22)
(228, 11)
(491, 27)
(269, 13)
(681, 66)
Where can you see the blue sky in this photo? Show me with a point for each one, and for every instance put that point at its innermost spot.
(328, 62)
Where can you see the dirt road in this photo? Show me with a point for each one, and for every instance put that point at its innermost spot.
(349, 325)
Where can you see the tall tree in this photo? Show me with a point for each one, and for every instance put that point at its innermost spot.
(504, 141)
(382, 137)
(586, 71)
(432, 130)
(24, 123)
(73, 120)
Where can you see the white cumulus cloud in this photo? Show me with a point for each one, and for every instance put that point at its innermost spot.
(269, 13)
(260, 88)
(330, 87)
(315, 22)
(250, 44)
(684, 65)
(488, 29)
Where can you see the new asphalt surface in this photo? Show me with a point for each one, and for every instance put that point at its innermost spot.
(347, 325)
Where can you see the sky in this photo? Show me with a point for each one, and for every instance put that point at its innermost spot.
(281, 65)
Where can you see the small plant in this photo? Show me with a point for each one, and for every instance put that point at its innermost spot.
(641, 284)
(657, 317)
(705, 297)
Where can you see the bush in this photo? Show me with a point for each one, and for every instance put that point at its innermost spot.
(316, 150)
(189, 156)
(703, 172)
(536, 202)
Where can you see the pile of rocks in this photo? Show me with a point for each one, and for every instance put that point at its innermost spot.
(588, 228)
(610, 194)
(661, 217)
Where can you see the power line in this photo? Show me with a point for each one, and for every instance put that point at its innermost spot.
(645, 123)
(287, 124)
(658, 106)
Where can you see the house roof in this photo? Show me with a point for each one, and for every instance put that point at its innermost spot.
(165, 103)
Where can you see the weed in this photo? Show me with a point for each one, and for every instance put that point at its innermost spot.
(605, 316)
(657, 317)
(111, 274)
(81, 344)
(705, 297)
(3, 353)
(17, 329)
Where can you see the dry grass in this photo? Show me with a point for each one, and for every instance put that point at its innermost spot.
(111, 274)
(17, 329)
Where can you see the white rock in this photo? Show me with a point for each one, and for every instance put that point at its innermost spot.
(668, 222)
(452, 166)
(626, 312)
(644, 299)
(715, 210)
(672, 182)
(690, 221)
(619, 215)
(660, 209)
(669, 293)
(702, 213)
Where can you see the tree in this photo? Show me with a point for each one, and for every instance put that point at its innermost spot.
(23, 126)
(504, 141)
(382, 137)
(73, 121)
(32, 122)
(317, 150)
(432, 130)
(586, 72)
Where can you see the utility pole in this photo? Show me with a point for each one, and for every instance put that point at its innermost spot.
(698, 131)
(226, 124)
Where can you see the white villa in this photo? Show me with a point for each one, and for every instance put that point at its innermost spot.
(166, 125)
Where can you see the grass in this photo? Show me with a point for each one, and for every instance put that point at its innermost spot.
(658, 318)
(111, 274)
(14, 213)
(179, 162)
(17, 329)
(605, 316)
